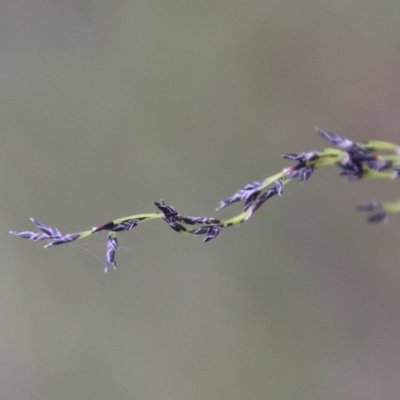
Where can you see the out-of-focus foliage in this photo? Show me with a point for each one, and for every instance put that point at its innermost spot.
(106, 106)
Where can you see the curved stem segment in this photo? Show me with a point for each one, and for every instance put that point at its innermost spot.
(373, 159)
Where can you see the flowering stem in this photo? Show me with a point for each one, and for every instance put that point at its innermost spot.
(373, 160)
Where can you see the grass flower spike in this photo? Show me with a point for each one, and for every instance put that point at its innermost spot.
(372, 160)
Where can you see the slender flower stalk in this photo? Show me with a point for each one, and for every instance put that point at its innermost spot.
(372, 159)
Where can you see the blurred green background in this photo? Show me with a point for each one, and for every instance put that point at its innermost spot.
(109, 106)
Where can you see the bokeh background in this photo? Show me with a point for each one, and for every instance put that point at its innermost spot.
(109, 106)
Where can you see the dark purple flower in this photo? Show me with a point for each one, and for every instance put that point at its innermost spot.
(53, 233)
(35, 236)
(352, 168)
(171, 216)
(125, 225)
(243, 194)
(200, 231)
(210, 231)
(213, 232)
(378, 165)
(369, 206)
(380, 216)
(343, 143)
(199, 220)
(64, 239)
(111, 249)
(293, 173)
(168, 211)
(250, 200)
(306, 172)
(279, 187)
(302, 157)
(262, 199)
(176, 226)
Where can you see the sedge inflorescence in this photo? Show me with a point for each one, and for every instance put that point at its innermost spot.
(372, 159)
